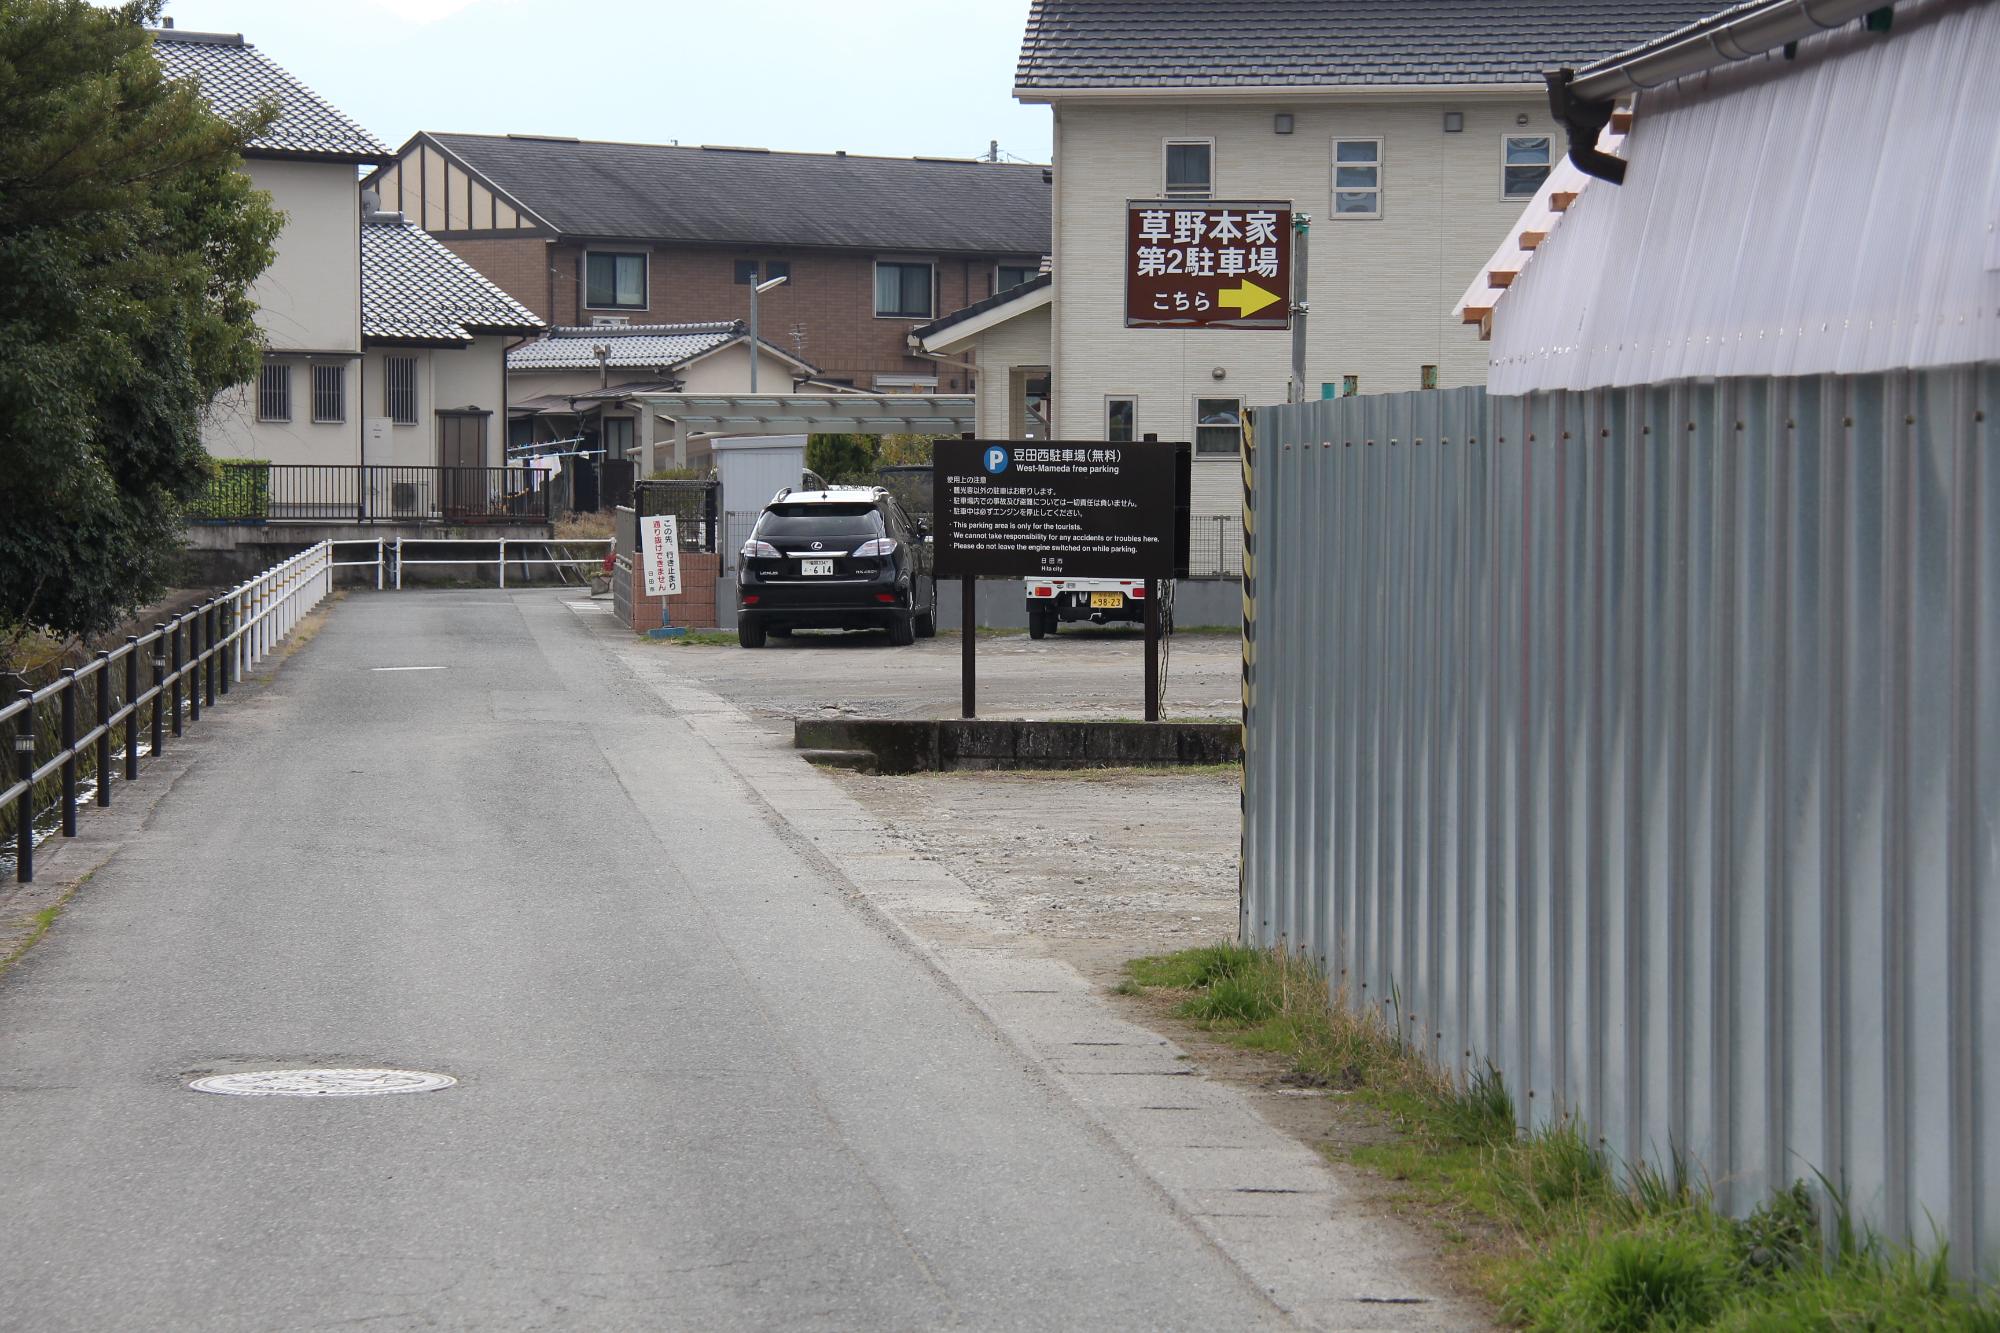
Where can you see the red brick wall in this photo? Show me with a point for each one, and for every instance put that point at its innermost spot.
(831, 296)
(693, 608)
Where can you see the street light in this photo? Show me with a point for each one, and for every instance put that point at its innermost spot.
(758, 289)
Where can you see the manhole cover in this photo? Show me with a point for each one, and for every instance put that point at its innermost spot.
(322, 1082)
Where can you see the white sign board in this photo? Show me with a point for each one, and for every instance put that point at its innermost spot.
(660, 549)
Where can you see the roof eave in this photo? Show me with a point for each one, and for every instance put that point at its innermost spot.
(1260, 92)
(385, 340)
(314, 155)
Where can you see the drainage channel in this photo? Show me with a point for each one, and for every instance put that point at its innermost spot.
(322, 1082)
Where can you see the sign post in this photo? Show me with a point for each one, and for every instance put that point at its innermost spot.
(1059, 509)
(660, 556)
(1208, 264)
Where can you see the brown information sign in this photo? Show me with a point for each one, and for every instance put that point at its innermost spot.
(1057, 508)
(1215, 264)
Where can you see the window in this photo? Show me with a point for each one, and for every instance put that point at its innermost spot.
(1218, 426)
(619, 434)
(1357, 178)
(777, 268)
(274, 392)
(1190, 168)
(903, 291)
(1119, 415)
(399, 389)
(746, 272)
(330, 393)
(1524, 165)
(1427, 377)
(1006, 277)
(614, 282)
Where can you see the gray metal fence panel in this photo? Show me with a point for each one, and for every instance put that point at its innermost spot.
(1645, 745)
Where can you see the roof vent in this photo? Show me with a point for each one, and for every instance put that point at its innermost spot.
(609, 321)
(546, 138)
(730, 148)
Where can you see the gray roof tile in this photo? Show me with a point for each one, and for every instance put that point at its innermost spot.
(414, 289)
(1096, 44)
(235, 77)
(735, 196)
(570, 347)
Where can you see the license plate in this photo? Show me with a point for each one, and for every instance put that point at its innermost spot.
(1107, 601)
(811, 567)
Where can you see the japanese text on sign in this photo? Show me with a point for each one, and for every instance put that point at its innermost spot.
(1223, 264)
(1085, 510)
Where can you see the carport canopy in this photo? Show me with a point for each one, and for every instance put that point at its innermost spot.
(803, 414)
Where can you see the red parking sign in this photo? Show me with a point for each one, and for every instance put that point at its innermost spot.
(1208, 264)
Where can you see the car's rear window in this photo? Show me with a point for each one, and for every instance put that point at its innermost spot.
(783, 522)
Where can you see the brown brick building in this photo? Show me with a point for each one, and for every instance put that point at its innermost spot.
(587, 232)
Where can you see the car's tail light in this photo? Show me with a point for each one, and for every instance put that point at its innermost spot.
(1136, 591)
(760, 550)
(1045, 592)
(751, 599)
(889, 597)
(880, 547)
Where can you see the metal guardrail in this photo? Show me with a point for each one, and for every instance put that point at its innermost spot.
(501, 558)
(256, 492)
(192, 659)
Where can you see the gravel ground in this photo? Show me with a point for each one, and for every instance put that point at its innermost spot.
(1079, 673)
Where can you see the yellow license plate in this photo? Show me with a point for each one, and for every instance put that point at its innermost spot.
(1107, 601)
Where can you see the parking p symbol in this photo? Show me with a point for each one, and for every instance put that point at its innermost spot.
(997, 459)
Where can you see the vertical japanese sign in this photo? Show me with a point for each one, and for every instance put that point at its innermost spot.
(1222, 264)
(660, 552)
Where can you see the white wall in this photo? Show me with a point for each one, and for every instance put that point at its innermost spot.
(728, 371)
(1021, 341)
(310, 298)
(230, 428)
(447, 378)
(1381, 290)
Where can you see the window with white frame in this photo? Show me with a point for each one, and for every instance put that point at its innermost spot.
(1357, 178)
(330, 393)
(1218, 427)
(902, 290)
(1524, 164)
(274, 392)
(1121, 415)
(614, 281)
(399, 389)
(1190, 168)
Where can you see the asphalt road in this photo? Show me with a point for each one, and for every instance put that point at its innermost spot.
(699, 1086)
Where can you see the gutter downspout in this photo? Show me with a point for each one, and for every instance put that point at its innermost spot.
(1582, 100)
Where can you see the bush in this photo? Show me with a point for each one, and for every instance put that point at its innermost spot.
(239, 491)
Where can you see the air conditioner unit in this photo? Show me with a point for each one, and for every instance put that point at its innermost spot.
(610, 321)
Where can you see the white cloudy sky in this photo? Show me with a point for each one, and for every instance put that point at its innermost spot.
(869, 76)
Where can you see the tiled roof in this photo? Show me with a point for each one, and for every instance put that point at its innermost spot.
(1081, 45)
(235, 77)
(414, 289)
(569, 347)
(741, 196)
(980, 307)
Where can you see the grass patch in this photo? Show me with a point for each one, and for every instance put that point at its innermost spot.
(1564, 1244)
(697, 638)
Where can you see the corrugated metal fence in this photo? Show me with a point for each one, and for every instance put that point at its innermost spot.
(1646, 744)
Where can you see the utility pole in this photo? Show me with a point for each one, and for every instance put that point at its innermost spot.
(1301, 224)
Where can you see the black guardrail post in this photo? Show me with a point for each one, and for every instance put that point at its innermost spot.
(104, 728)
(174, 633)
(194, 660)
(209, 632)
(159, 687)
(132, 708)
(69, 752)
(24, 804)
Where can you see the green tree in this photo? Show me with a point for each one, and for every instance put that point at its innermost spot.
(129, 236)
(905, 450)
(844, 460)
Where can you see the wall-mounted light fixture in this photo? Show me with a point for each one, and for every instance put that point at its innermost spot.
(1521, 118)
(1281, 123)
(1454, 122)
(1219, 373)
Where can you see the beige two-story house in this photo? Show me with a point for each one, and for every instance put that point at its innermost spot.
(1411, 132)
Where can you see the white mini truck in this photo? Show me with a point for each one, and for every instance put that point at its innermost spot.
(1100, 601)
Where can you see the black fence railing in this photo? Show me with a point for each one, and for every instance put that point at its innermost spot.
(351, 493)
(693, 503)
(73, 738)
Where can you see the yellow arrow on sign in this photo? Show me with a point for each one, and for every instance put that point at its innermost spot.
(1248, 299)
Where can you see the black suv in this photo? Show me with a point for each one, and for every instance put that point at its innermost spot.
(848, 557)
